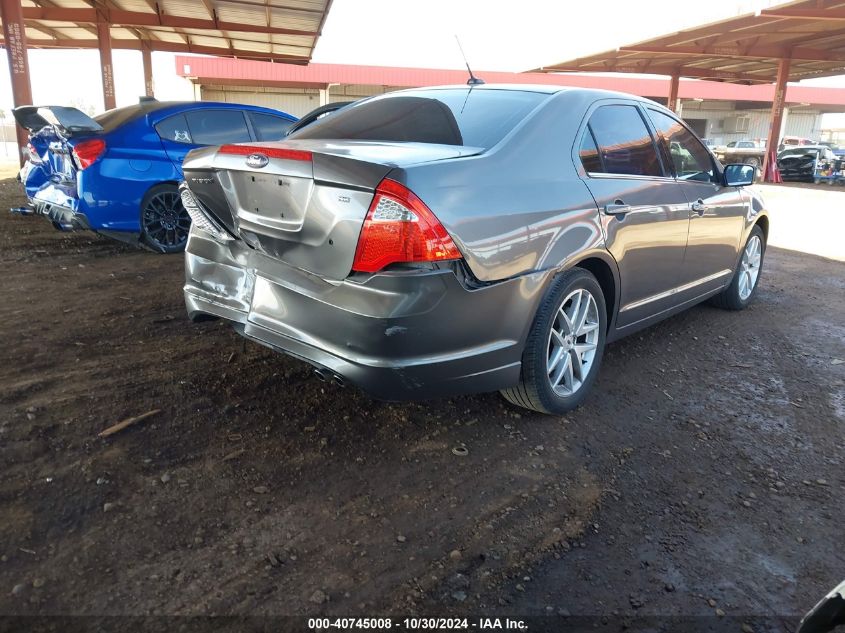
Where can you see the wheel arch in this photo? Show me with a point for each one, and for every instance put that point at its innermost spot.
(161, 184)
(158, 183)
(604, 269)
(763, 223)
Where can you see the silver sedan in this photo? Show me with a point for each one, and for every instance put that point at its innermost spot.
(440, 241)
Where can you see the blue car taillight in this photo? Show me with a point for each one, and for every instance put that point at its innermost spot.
(89, 151)
(32, 154)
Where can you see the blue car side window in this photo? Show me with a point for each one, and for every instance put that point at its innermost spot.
(268, 127)
(174, 128)
(215, 127)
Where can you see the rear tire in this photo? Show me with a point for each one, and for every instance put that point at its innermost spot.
(565, 346)
(164, 221)
(746, 277)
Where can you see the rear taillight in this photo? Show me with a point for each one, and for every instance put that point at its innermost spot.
(32, 154)
(269, 152)
(86, 152)
(400, 228)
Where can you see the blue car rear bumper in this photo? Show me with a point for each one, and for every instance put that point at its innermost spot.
(106, 198)
(58, 203)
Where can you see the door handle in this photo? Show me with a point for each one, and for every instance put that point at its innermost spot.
(699, 207)
(617, 208)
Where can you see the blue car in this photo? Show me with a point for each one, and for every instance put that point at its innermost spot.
(118, 173)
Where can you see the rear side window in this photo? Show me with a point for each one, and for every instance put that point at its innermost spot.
(688, 155)
(471, 117)
(174, 128)
(590, 153)
(624, 143)
(215, 127)
(268, 127)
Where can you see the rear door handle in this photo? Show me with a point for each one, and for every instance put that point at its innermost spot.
(699, 207)
(617, 208)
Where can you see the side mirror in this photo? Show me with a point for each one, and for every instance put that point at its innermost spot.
(739, 175)
(827, 614)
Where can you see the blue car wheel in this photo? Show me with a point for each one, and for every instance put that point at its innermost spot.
(164, 221)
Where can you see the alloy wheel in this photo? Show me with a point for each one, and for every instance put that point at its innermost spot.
(749, 267)
(166, 223)
(573, 341)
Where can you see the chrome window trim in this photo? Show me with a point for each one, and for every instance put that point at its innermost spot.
(593, 174)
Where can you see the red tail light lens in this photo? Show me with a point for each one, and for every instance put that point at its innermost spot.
(86, 152)
(400, 228)
(32, 154)
(269, 152)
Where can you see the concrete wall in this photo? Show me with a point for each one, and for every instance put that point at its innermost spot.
(8, 151)
(801, 121)
(295, 101)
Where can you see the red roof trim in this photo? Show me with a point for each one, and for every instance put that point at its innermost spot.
(233, 71)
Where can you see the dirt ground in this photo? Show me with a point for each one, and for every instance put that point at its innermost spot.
(704, 475)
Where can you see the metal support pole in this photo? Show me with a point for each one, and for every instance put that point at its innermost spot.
(15, 41)
(104, 39)
(783, 124)
(147, 58)
(777, 113)
(672, 102)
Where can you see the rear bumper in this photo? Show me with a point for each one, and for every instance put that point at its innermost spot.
(398, 336)
(62, 217)
(57, 202)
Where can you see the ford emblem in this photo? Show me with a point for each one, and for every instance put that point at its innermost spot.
(257, 161)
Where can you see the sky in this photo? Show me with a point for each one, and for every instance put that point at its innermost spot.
(508, 36)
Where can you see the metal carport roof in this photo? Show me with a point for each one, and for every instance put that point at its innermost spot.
(745, 49)
(276, 30)
(788, 42)
(273, 30)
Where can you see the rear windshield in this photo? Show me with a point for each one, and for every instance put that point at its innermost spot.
(475, 118)
(112, 119)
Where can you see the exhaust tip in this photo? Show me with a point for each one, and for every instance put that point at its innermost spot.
(326, 375)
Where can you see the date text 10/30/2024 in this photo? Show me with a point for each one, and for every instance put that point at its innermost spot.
(414, 624)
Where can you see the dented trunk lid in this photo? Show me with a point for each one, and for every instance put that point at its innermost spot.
(305, 212)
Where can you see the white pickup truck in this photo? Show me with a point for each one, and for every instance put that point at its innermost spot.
(748, 152)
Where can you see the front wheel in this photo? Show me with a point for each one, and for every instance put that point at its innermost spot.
(565, 346)
(743, 286)
(164, 221)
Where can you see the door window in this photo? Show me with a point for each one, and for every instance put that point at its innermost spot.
(174, 128)
(624, 142)
(268, 127)
(590, 153)
(689, 157)
(215, 127)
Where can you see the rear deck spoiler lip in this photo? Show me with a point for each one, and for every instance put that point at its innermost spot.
(70, 120)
